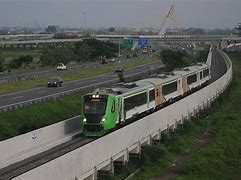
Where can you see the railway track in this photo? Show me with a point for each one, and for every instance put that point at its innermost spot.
(16, 169)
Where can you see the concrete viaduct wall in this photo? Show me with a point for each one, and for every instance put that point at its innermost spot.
(20, 147)
(86, 161)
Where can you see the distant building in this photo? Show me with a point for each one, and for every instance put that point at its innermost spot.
(239, 29)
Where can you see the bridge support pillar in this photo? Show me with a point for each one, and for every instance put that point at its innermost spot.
(136, 152)
(122, 161)
(157, 137)
(107, 170)
(91, 175)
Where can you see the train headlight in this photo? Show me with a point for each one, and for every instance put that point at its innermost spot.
(84, 120)
(103, 120)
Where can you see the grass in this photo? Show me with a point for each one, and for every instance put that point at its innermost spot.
(221, 159)
(28, 84)
(218, 159)
(26, 119)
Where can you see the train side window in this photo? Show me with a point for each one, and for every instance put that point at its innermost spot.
(206, 73)
(152, 95)
(201, 75)
(135, 101)
(192, 79)
(169, 88)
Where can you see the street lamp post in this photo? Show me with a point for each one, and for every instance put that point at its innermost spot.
(119, 47)
(84, 21)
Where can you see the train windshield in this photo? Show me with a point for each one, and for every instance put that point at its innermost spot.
(95, 106)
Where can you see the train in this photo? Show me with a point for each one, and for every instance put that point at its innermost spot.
(107, 108)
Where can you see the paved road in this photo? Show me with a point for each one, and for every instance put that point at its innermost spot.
(27, 95)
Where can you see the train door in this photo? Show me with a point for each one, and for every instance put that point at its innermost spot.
(184, 84)
(179, 86)
(159, 99)
(157, 94)
(198, 78)
(120, 110)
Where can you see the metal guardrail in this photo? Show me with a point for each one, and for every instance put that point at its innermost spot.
(54, 96)
(36, 75)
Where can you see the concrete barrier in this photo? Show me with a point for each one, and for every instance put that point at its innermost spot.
(29, 144)
(85, 161)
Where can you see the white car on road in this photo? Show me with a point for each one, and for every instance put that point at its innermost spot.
(61, 66)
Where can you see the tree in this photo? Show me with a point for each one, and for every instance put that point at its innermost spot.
(101, 48)
(173, 59)
(52, 55)
(82, 51)
(1, 62)
(111, 29)
(51, 29)
(26, 59)
(16, 63)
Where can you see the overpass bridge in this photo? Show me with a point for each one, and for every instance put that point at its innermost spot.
(116, 38)
(35, 43)
(86, 160)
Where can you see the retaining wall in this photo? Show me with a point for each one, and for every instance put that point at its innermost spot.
(29, 144)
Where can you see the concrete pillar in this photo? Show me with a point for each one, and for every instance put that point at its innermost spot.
(122, 161)
(107, 170)
(176, 124)
(136, 152)
(157, 138)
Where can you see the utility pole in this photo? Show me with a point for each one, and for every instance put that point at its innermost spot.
(85, 21)
(119, 47)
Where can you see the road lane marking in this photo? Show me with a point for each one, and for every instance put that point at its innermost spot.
(79, 83)
(42, 92)
(18, 97)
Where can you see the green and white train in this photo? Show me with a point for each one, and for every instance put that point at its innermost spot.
(105, 109)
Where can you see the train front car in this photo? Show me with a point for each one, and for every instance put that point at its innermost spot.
(98, 114)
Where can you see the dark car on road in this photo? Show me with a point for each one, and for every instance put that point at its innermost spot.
(55, 82)
(128, 56)
(119, 70)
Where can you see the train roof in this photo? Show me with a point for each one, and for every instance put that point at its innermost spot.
(122, 88)
(191, 69)
(137, 86)
(162, 78)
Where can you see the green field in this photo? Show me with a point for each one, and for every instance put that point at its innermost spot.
(207, 148)
(26, 119)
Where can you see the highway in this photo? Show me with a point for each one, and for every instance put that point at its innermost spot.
(41, 74)
(31, 94)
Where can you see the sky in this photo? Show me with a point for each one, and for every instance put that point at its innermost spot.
(207, 14)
